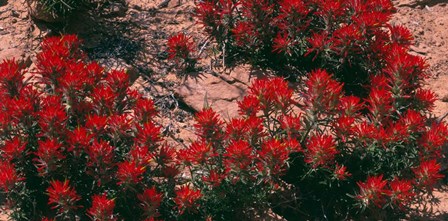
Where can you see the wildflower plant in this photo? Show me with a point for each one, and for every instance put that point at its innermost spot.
(78, 143)
(63, 7)
(181, 49)
(348, 38)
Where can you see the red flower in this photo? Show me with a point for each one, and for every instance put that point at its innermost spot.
(75, 80)
(365, 132)
(96, 124)
(238, 156)
(102, 208)
(372, 191)
(120, 125)
(292, 125)
(79, 139)
(11, 77)
(347, 40)
(401, 35)
(321, 150)
(48, 155)
(380, 103)
(427, 173)
(350, 105)
(318, 43)
(282, 44)
(56, 55)
(249, 106)
(405, 71)
(129, 173)
(401, 191)
(104, 98)
(323, 92)
(425, 99)
(100, 153)
(274, 154)
(53, 117)
(140, 155)
(20, 109)
(62, 196)
(144, 110)
(100, 160)
(380, 81)
(250, 129)
(344, 127)
(150, 201)
(180, 46)
(272, 93)
(208, 15)
(341, 173)
(213, 178)
(170, 172)
(197, 153)
(148, 135)
(236, 129)
(208, 125)
(414, 121)
(245, 34)
(187, 199)
(293, 15)
(165, 155)
(118, 81)
(329, 9)
(12, 149)
(8, 176)
(433, 139)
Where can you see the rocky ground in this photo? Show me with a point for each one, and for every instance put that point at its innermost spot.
(132, 35)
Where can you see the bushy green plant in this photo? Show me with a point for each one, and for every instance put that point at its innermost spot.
(63, 7)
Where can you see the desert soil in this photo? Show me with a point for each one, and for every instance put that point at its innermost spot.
(132, 36)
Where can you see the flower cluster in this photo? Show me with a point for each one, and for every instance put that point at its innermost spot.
(77, 143)
(80, 144)
(343, 36)
(181, 49)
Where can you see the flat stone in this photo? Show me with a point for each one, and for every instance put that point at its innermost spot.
(212, 91)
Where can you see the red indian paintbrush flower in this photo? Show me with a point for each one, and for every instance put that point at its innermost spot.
(197, 153)
(12, 149)
(96, 124)
(129, 173)
(187, 199)
(244, 34)
(62, 196)
(341, 173)
(150, 201)
(249, 106)
(11, 77)
(148, 135)
(8, 176)
(321, 150)
(144, 110)
(372, 191)
(48, 154)
(102, 208)
(401, 191)
(180, 46)
(274, 154)
(427, 173)
(208, 125)
(238, 156)
(401, 35)
(323, 92)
